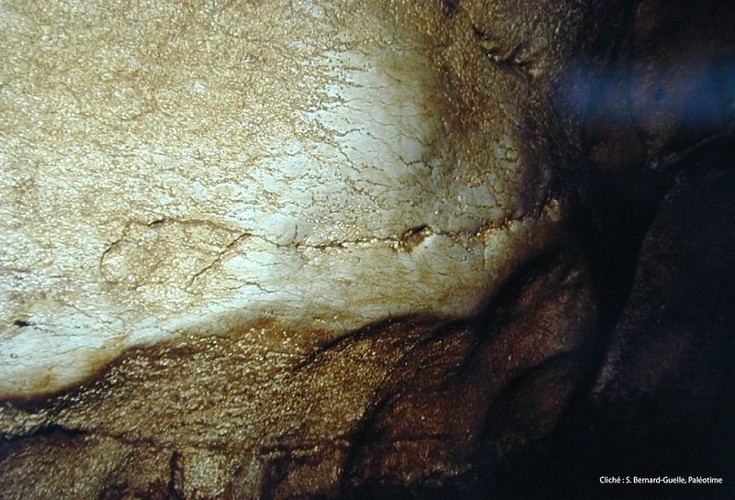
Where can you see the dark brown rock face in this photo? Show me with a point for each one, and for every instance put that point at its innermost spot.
(600, 344)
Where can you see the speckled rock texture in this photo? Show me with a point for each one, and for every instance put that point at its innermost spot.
(356, 249)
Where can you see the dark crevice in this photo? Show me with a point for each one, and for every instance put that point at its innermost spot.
(684, 427)
(275, 472)
(408, 323)
(363, 435)
(46, 431)
(450, 7)
(176, 477)
(610, 227)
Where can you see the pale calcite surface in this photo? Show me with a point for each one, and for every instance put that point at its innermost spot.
(171, 167)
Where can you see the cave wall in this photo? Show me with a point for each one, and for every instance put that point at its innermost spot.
(605, 350)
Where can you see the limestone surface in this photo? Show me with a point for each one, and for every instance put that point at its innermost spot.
(172, 167)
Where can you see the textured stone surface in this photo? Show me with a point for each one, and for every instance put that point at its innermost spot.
(169, 167)
(277, 249)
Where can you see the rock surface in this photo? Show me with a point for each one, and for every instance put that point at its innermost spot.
(172, 168)
(363, 249)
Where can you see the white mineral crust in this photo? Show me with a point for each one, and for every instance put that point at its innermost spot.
(170, 167)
